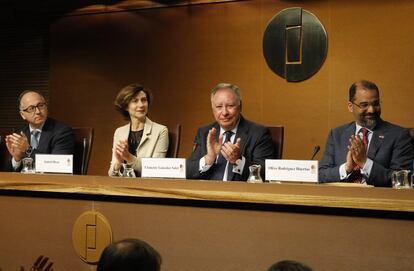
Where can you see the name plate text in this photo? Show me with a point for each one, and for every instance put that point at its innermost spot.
(291, 170)
(54, 163)
(163, 168)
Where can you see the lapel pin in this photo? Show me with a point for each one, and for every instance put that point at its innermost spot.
(381, 136)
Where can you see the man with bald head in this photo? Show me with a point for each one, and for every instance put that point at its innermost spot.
(368, 149)
(41, 134)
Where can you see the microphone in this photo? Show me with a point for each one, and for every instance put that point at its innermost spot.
(315, 151)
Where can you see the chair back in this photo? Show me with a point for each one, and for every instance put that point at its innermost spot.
(411, 130)
(83, 147)
(277, 133)
(174, 136)
(5, 156)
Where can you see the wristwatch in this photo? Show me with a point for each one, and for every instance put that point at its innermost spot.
(29, 150)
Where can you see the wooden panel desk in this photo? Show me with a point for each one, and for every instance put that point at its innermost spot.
(205, 225)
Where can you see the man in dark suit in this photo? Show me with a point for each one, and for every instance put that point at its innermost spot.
(41, 134)
(369, 149)
(225, 149)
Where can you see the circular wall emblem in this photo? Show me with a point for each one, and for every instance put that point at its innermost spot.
(91, 233)
(295, 44)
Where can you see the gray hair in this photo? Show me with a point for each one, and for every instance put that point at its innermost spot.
(234, 88)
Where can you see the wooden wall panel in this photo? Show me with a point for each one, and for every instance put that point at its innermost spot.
(182, 52)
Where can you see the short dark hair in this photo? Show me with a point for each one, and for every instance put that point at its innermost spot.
(363, 84)
(126, 94)
(289, 265)
(24, 92)
(129, 255)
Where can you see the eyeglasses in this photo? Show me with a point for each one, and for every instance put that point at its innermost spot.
(365, 106)
(32, 108)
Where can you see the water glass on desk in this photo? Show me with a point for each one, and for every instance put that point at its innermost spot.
(402, 179)
(28, 165)
(254, 176)
(128, 171)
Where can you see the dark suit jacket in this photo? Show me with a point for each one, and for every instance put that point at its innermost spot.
(390, 149)
(56, 138)
(256, 146)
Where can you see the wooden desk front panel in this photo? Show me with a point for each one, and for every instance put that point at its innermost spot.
(205, 238)
(208, 235)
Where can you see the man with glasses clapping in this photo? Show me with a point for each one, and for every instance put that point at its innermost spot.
(41, 134)
(368, 149)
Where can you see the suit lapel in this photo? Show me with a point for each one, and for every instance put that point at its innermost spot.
(26, 131)
(244, 137)
(147, 132)
(217, 127)
(242, 133)
(45, 137)
(348, 132)
(376, 141)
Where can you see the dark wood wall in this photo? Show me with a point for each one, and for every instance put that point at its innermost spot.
(24, 63)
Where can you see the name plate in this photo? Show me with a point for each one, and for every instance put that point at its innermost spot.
(163, 168)
(54, 163)
(291, 170)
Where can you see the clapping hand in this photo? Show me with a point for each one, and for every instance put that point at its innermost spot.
(358, 151)
(213, 146)
(41, 264)
(357, 154)
(230, 151)
(17, 144)
(122, 153)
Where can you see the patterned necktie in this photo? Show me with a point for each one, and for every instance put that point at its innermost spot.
(221, 163)
(365, 137)
(356, 175)
(34, 139)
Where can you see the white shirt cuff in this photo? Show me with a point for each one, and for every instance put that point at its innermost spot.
(202, 165)
(366, 170)
(16, 164)
(342, 172)
(238, 167)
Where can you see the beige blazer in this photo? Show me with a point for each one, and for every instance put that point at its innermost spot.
(154, 143)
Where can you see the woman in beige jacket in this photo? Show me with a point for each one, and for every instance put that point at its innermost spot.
(141, 137)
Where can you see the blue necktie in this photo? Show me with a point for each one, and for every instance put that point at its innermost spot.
(34, 139)
(221, 163)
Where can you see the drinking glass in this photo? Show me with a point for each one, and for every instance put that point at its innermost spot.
(254, 176)
(128, 171)
(28, 165)
(401, 179)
